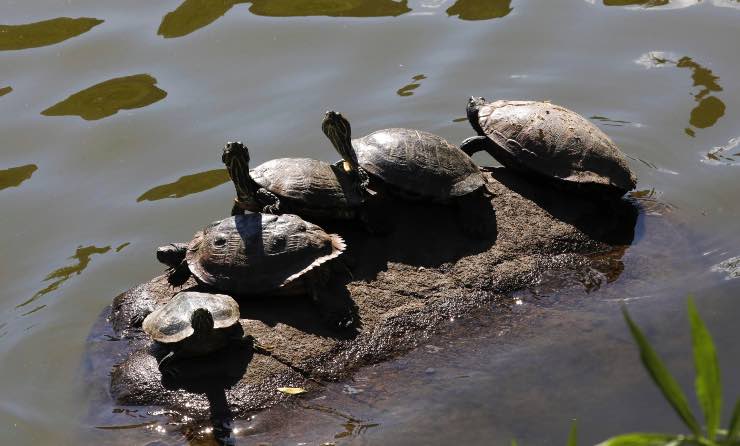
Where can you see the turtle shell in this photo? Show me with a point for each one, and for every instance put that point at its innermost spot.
(418, 163)
(255, 254)
(555, 142)
(308, 183)
(171, 322)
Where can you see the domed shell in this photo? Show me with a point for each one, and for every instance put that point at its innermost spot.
(171, 322)
(254, 254)
(309, 182)
(418, 163)
(556, 142)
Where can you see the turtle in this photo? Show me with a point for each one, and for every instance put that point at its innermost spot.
(311, 188)
(256, 254)
(193, 324)
(549, 142)
(418, 165)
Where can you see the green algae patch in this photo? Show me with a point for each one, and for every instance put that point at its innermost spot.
(44, 33)
(109, 97)
(187, 185)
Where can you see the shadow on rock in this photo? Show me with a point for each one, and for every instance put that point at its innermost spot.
(610, 222)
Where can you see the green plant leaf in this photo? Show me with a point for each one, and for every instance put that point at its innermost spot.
(707, 383)
(513, 442)
(734, 429)
(573, 436)
(640, 439)
(662, 377)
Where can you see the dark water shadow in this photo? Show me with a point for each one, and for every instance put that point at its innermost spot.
(408, 89)
(5, 90)
(709, 108)
(611, 222)
(83, 257)
(187, 185)
(480, 10)
(108, 98)
(192, 15)
(14, 176)
(47, 32)
(331, 8)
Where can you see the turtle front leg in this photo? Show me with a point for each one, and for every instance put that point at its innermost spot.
(270, 202)
(476, 215)
(332, 298)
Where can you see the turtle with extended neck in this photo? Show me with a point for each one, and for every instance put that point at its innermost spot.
(418, 165)
(310, 188)
(549, 142)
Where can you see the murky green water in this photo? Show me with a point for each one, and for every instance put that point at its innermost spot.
(113, 118)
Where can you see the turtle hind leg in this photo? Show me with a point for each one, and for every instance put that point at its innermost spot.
(166, 365)
(476, 215)
(332, 298)
(178, 275)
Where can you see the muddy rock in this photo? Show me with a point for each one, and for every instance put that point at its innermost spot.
(405, 286)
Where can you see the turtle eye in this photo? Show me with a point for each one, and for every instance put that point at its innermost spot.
(220, 240)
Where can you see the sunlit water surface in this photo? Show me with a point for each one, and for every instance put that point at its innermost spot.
(113, 118)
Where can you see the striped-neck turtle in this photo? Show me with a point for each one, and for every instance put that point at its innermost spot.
(418, 165)
(306, 187)
(262, 254)
(550, 142)
(193, 324)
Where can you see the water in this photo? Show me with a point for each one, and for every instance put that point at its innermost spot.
(111, 135)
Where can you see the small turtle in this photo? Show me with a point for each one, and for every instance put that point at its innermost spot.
(310, 188)
(418, 165)
(262, 254)
(193, 324)
(550, 142)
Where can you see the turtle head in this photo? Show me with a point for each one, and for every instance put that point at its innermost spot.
(173, 254)
(236, 158)
(337, 129)
(201, 320)
(474, 105)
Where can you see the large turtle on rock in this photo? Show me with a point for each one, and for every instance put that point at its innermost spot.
(549, 142)
(307, 187)
(193, 324)
(418, 165)
(263, 254)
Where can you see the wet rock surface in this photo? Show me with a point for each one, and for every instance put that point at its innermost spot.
(405, 286)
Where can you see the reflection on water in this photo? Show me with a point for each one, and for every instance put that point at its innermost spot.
(61, 275)
(670, 4)
(723, 154)
(709, 108)
(408, 89)
(5, 90)
(643, 3)
(614, 122)
(47, 32)
(192, 15)
(189, 184)
(109, 97)
(480, 10)
(14, 176)
(331, 8)
(730, 267)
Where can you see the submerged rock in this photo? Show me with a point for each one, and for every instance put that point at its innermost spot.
(405, 285)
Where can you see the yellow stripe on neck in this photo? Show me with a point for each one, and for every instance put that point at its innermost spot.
(347, 167)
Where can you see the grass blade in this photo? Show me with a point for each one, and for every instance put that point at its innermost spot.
(573, 436)
(662, 377)
(708, 385)
(734, 430)
(640, 439)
